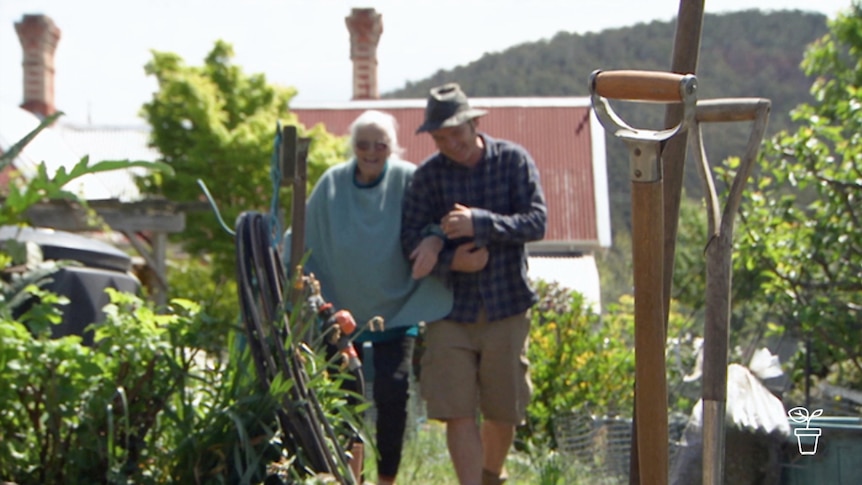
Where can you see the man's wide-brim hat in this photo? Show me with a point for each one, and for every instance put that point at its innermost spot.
(448, 106)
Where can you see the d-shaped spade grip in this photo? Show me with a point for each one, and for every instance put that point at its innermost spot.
(649, 86)
(642, 86)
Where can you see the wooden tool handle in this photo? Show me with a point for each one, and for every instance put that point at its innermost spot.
(655, 86)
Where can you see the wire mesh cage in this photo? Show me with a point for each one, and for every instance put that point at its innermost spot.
(602, 444)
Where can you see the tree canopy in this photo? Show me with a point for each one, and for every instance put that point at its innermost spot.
(801, 235)
(215, 123)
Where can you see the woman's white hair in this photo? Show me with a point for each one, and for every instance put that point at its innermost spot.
(380, 120)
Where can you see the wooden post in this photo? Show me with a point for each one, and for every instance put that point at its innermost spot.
(294, 166)
(160, 250)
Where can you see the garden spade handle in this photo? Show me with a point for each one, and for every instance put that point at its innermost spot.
(645, 148)
(649, 86)
(719, 267)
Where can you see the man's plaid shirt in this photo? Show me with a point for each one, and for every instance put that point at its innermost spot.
(508, 210)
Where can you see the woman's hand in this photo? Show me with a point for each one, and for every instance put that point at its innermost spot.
(424, 257)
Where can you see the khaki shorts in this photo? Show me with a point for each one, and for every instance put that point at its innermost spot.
(482, 365)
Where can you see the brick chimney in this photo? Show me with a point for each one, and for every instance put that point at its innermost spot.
(39, 37)
(365, 26)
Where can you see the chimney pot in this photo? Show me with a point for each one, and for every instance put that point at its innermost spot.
(39, 37)
(365, 26)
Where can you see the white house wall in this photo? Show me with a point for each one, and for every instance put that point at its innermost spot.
(578, 273)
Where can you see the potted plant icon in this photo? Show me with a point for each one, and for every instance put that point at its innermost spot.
(800, 415)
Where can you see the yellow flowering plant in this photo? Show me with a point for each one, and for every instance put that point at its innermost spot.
(584, 362)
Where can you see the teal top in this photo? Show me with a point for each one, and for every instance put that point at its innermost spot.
(353, 235)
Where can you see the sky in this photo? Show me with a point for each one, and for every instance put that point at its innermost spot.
(104, 44)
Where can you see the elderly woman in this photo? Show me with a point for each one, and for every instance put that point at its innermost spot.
(353, 219)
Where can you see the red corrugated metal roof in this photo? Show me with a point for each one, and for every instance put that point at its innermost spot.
(558, 133)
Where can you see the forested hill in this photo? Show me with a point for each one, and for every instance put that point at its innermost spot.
(746, 53)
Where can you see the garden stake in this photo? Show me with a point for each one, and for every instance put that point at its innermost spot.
(294, 168)
(645, 153)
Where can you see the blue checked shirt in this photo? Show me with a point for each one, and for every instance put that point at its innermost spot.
(508, 210)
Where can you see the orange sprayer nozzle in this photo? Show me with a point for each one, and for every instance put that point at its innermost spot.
(345, 321)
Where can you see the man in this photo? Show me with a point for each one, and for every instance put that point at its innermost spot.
(483, 199)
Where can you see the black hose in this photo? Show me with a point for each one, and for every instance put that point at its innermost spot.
(308, 435)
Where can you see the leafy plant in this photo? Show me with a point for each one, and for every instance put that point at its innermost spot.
(198, 279)
(142, 405)
(55, 424)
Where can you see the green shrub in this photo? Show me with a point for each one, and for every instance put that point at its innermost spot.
(139, 406)
(584, 362)
(63, 396)
(197, 279)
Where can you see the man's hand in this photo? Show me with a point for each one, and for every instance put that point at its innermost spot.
(458, 222)
(424, 257)
(469, 259)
